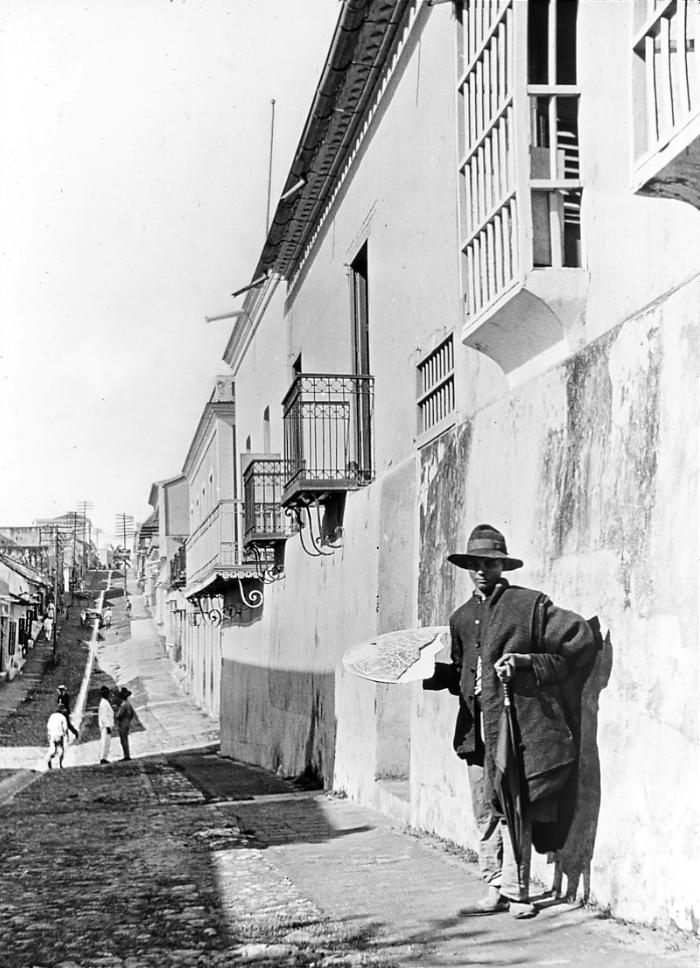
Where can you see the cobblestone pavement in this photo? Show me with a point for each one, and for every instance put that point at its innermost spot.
(128, 867)
(132, 866)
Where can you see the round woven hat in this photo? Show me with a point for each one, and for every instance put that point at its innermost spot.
(485, 541)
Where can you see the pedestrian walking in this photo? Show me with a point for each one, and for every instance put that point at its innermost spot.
(48, 627)
(124, 715)
(63, 699)
(57, 731)
(512, 646)
(128, 608)
(83, 617)
(105, 719)
(107, 616)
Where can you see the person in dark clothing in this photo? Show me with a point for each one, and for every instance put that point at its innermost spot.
(63, 698)
(123, 717)
(504, 635)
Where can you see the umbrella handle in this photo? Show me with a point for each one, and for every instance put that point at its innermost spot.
(506, 695)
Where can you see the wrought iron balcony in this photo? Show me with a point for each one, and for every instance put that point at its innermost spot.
(265, 522)
(327, 436)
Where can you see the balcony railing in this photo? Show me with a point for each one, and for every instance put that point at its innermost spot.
(265, 522)
(666, 88)
(216, 544)
(327, 435)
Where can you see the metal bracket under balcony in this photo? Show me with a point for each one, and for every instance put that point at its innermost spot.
(327, 437)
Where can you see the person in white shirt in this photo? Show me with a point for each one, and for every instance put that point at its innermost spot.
(105, 719)
(57, 731)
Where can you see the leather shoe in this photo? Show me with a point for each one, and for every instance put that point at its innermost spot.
(522, 909)
(492, 901)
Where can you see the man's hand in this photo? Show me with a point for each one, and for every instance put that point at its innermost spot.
(509, 663)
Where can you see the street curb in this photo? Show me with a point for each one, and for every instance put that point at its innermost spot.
(10, 787)
(81, 701)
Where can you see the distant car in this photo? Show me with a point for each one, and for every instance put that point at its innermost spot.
(94, 613)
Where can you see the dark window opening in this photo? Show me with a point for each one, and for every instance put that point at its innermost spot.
(566, 41)
(360, 350)
(538, 42)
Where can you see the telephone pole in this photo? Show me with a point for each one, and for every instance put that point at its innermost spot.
(55, 591)
(83, 508)
(124, 526)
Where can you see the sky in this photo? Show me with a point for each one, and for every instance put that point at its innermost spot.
(133, 188)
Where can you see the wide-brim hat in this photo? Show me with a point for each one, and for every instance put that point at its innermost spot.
(485, 541)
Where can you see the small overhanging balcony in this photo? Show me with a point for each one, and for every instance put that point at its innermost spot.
(327, 437)
(214, 550)
(265, 523)
(666, 100)
(520, 188)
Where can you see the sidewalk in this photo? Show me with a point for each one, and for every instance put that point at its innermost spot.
(170, 720)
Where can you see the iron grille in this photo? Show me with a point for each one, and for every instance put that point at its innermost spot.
(264, 520)
(436, 387)
(327, 435)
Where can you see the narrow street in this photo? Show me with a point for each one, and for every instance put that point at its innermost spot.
(183, 857)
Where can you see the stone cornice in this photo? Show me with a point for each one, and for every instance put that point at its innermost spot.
(212, 411)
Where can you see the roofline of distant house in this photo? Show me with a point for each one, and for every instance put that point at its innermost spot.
(25, 571)
(156, 486)
(211, 410)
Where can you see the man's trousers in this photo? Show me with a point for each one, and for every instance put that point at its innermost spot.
(124, 740)
(496, 859)
(106, 739)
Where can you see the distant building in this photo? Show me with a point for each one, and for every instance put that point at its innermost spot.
(24, 594)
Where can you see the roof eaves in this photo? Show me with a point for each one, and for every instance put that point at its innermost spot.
(359, 50)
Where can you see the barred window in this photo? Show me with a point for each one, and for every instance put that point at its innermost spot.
(515, 217)
(436, 387)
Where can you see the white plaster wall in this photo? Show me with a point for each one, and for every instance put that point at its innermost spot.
(631, 242)
(324, 606)
(273, 668)
(623, 561)
(401, 199)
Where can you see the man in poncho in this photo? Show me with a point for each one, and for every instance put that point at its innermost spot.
(512, 636)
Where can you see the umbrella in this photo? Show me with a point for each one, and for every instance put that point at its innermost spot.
(508, 784)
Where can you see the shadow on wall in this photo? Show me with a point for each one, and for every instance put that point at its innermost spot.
(573, 861)
(282, 719)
